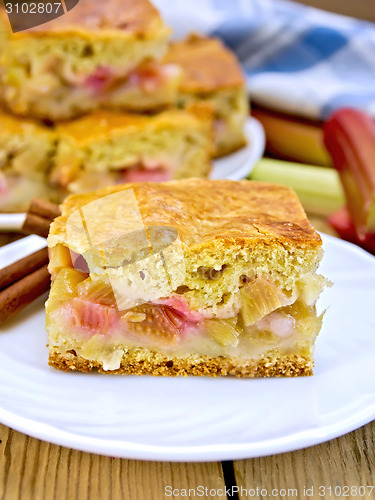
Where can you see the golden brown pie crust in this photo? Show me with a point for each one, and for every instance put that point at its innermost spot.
(103, 124)
(159, 365)
(209, 214)
(207, 64)
(135, 18)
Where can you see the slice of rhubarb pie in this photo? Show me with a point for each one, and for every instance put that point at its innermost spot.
(107, 148)
(26, 150)
(99, 54)
(213, 74)
(188, 277)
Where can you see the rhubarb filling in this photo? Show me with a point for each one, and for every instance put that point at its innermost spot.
(24, 165)
(149, 86)
(230, 111)
(17, 191)
(148, 78)
(139, 172)
(266, 320)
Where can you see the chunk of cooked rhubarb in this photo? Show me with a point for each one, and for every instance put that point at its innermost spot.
(100, 80)
(161, 323)
(92, 317)
(310, 286)
(91, 307)
(306, 320)
(100, 292)
(63, 289)
(349, 136)
(151, 76)
(258, 298)
(65, 284)
(222, 331)
(143, 174)
(59, 257)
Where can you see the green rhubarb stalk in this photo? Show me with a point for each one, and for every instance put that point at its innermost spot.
(318, 188)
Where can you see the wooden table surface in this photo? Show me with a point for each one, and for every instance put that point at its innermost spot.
(32, 469)
(363, 9)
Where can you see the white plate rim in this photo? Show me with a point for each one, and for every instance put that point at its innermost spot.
(129, 450)
(252, 153)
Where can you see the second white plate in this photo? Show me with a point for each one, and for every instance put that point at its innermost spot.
(239, 164)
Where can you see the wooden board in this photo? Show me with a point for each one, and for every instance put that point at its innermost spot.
(347, 461)
(363, 9)
(32, 469)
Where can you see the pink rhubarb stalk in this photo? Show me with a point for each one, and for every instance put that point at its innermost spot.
(349, 136)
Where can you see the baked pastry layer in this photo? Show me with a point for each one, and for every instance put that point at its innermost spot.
(130, 19)
(96, 55)
(26, 151)
(111, 148)
(208, 65)
(212, 74)
(218, 270)
(98, 150)
(145, 362)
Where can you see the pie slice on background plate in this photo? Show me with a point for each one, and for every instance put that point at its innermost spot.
(106, 148)
(212, 74)
(99, 54)
(98, 150)
(26, 150)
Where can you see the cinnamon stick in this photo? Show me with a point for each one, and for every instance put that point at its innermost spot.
(39, 217)
(28, 278)
(23, 267)
(24, 291)
(36, 225)
(44, 208)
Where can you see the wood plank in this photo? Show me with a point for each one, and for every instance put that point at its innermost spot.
(363, 9)
(33, 469)
(349, 460)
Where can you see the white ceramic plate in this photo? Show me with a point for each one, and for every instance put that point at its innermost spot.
(235, 166)
(197, 418)
(238, 165)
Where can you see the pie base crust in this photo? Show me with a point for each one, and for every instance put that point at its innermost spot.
(146, 362)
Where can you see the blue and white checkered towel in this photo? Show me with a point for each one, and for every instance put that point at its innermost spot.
(297, 59)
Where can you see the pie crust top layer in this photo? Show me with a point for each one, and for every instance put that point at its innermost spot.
(208, 65)
(134, 18)
(206, 214)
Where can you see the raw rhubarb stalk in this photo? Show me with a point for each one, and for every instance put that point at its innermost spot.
(293, 138)
(349, 136)
(318, 188)
(343, 225)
